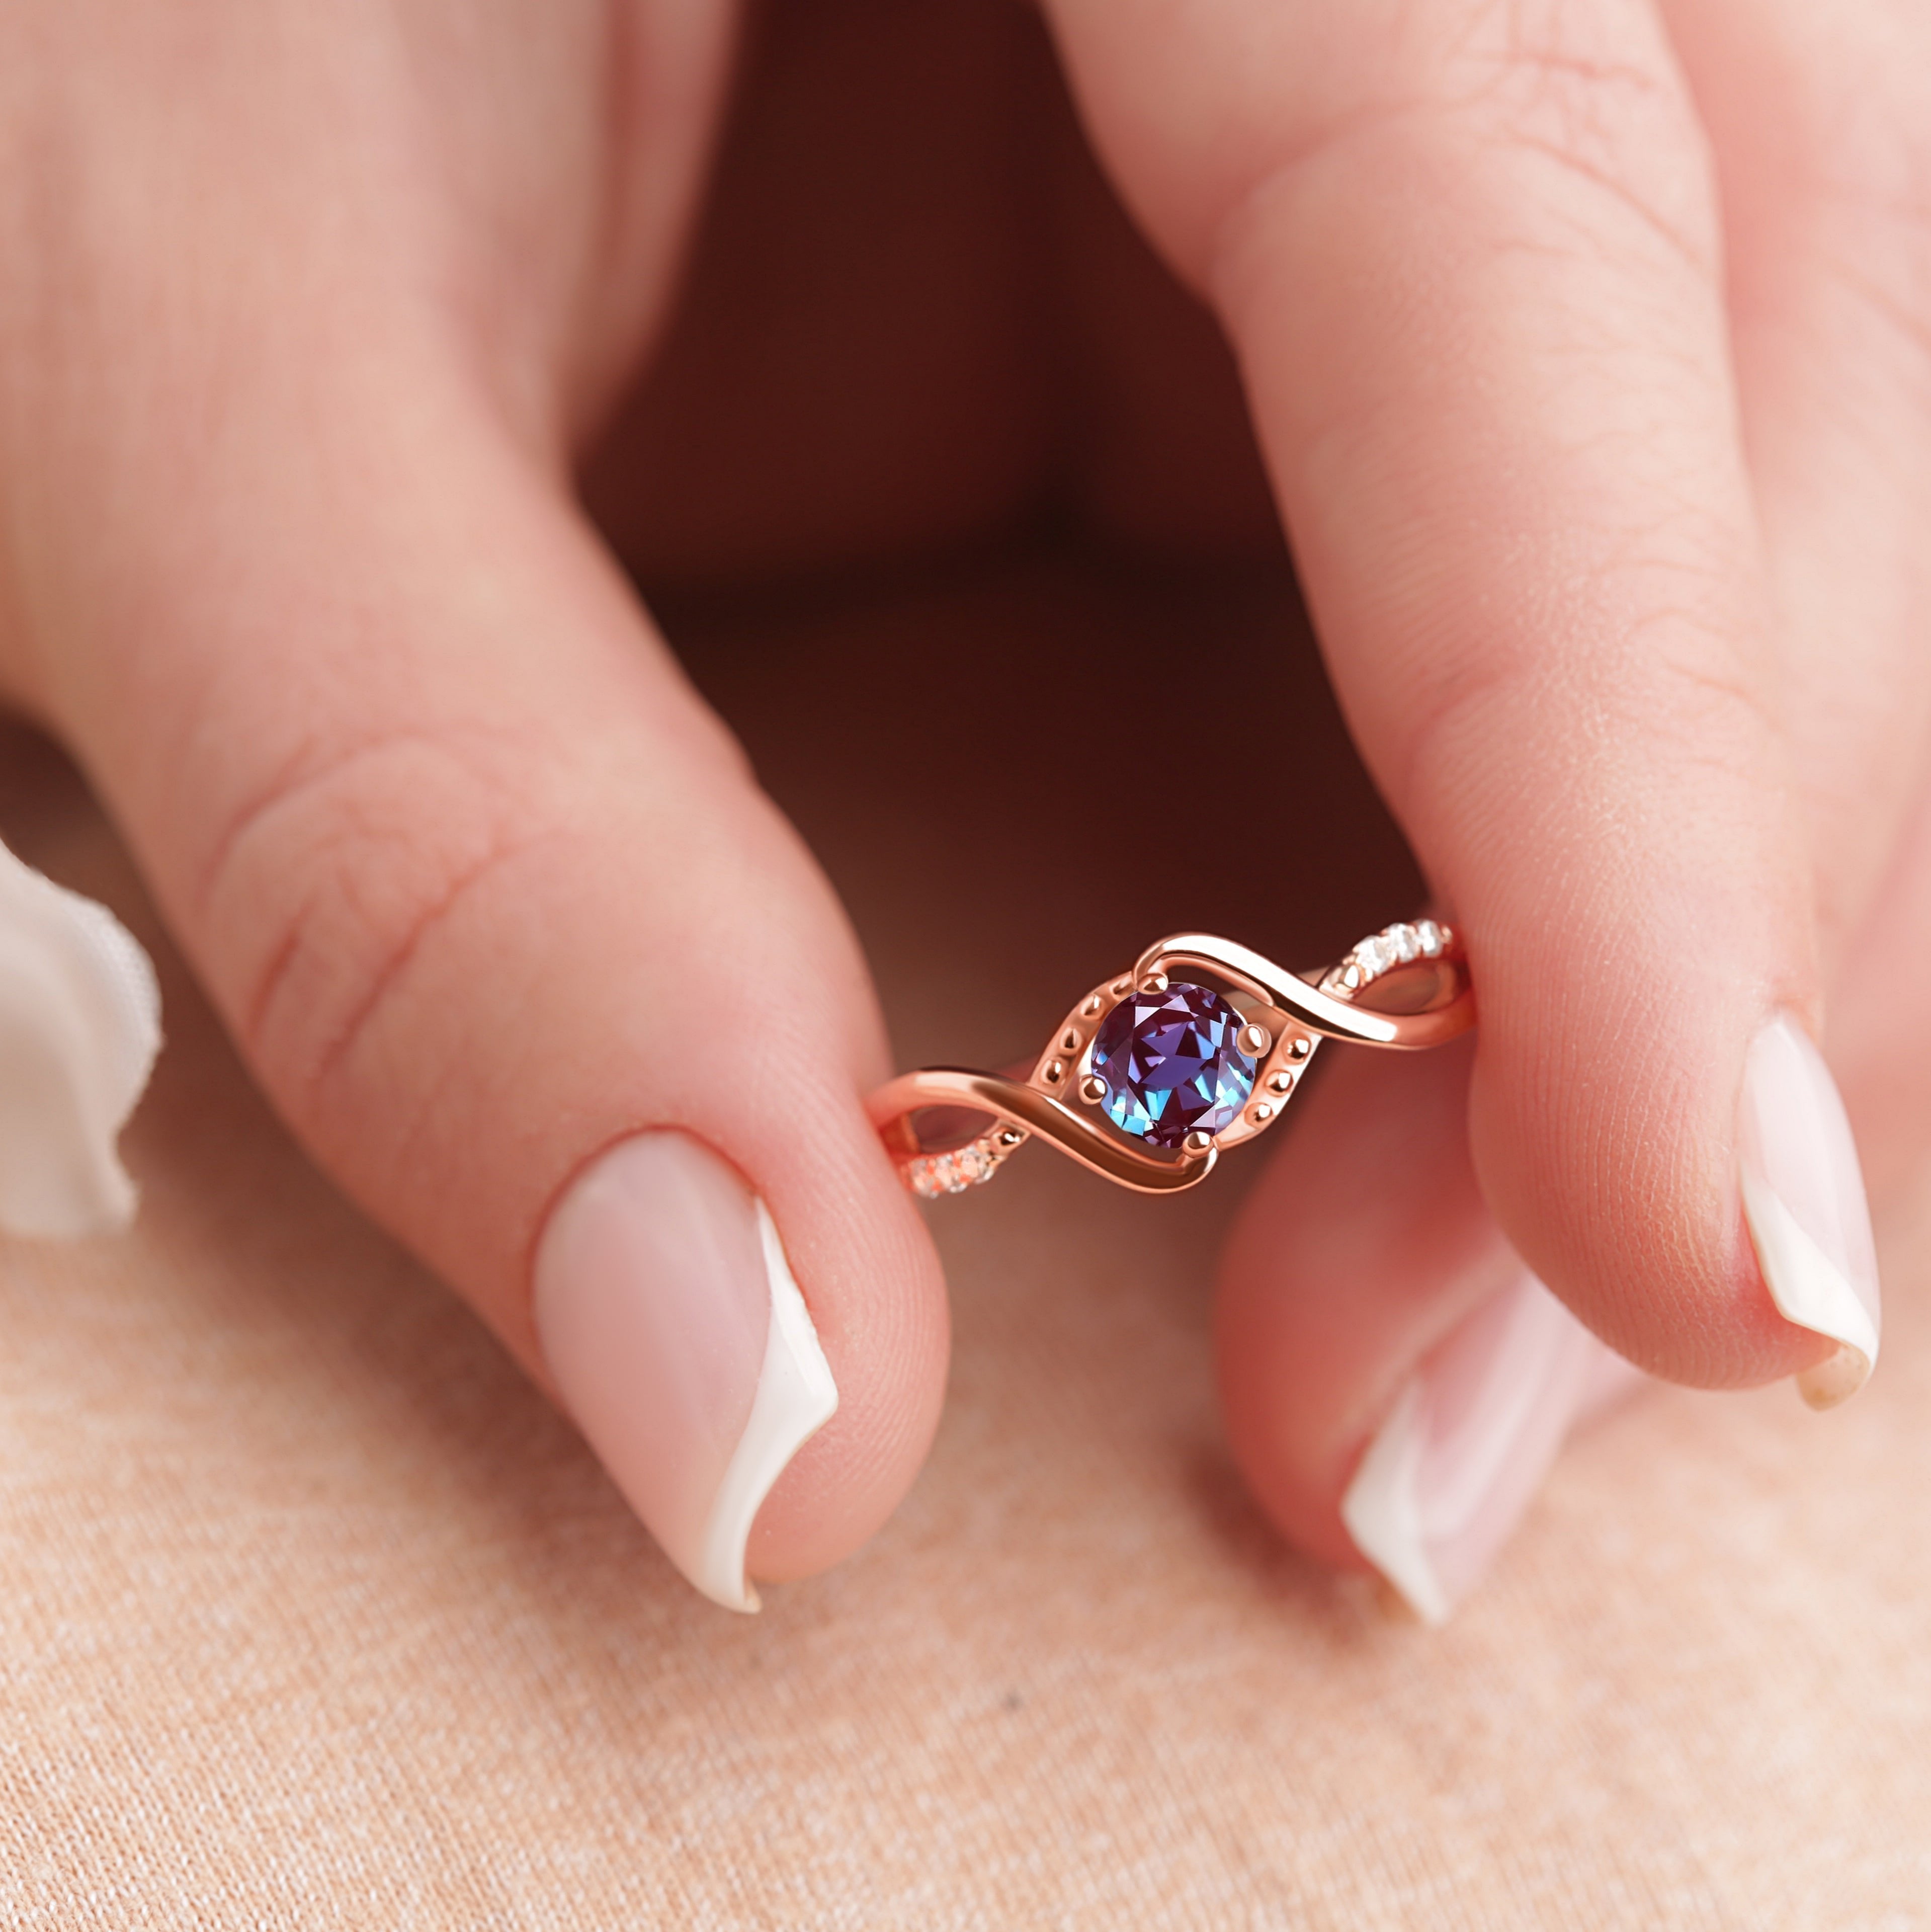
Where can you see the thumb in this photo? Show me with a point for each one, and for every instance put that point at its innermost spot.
(513, 942)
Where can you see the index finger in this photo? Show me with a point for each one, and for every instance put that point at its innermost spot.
(1470, 258)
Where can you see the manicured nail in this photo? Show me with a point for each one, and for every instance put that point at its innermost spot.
(80, 1023)
(1804, 1205)
(679, 1340)
(1465, 1447)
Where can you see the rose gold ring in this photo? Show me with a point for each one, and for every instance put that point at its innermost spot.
(1199, 1047)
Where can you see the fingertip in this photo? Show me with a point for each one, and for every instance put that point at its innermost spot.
(1397, 1383)
(1449, 1473)
(1362, 1244)
(876, 1292)
(673, 1324)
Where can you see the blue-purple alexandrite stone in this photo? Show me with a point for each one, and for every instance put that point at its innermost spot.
(1170, 1063)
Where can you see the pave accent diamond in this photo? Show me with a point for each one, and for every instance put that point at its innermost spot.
(1172, 1063)
(929, 1175)
(1395, 946)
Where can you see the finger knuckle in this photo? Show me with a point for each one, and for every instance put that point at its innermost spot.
(1851, 103)
(330, 886)
(1646, 697)
(1595, 121)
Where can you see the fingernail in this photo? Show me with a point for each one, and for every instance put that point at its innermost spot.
(1449, 1474)
(679, 1340)
(1804, 1205)
(80, 1025)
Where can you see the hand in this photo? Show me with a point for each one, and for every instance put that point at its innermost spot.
(1600, 464)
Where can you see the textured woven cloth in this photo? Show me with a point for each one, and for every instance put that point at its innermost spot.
(312, 1614)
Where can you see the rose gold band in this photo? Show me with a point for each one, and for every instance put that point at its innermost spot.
(1421, 998)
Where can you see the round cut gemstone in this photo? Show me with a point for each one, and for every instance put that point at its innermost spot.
(1172, 1062)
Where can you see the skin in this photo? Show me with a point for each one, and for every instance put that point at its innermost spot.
(1586, 350)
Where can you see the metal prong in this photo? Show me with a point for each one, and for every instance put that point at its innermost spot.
(1093, 1090)
(1254, 1040)
(1197, 1142)
(1154, 982)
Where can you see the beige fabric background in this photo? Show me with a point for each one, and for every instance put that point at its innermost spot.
(312, 1614)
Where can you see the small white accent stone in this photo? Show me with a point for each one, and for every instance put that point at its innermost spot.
(1406, 944)
(930, 1175)
(1429, 935)
(1373, 956)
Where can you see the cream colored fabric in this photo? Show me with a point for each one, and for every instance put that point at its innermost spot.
(312, 1614)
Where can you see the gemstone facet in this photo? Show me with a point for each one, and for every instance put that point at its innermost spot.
(1172, 1062)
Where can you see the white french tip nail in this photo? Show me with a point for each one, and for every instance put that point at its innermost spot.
(79, 1027)
(796, 1398)
(1804, 1205)
(1383, 1514)
(1448, 1475)
(670, 1317)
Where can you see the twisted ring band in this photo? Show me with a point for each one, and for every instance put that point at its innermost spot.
(1199, 1047)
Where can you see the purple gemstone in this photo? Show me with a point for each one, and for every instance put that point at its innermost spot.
(1171, 1063)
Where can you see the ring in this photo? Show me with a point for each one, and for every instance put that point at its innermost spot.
(1199, 1047)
